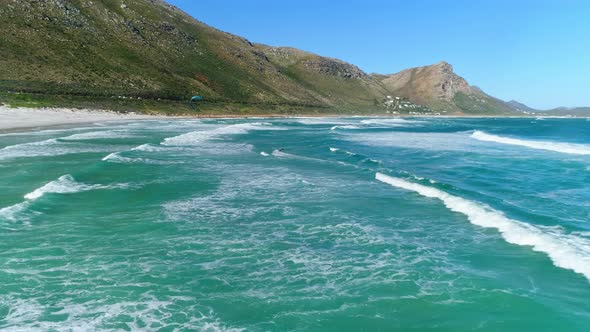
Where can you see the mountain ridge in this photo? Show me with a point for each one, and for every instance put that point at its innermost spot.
(151, 50)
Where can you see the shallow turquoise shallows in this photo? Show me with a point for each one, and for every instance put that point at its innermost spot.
(297, 224)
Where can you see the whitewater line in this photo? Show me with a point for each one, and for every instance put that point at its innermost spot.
(567, 251)
(198, 136)
(569, 148)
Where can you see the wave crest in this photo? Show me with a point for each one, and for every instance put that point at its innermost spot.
(12, 212)
(567, 251)
(195, 137)
(569, 148)
(66, 184)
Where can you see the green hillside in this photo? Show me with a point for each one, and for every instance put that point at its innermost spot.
(147, 55)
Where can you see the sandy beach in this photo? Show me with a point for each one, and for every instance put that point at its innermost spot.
(17, 119)
(23, 119)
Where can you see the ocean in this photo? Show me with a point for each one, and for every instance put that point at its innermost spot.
(297, 224)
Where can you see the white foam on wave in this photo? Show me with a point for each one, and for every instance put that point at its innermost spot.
(12, 212)
(347, 152)
(567, 251)
(196, 137)
(322, 121)
(394, 122)
(116, 157)
(345, 127)
(107, 134)
(281, 154)
(278, 153)
(28, 149)
(111, 156)
(264, 154)
(64, 184)
(416, 140)
(48, 147)
(147, 148)
(569, 148)
(67, 184)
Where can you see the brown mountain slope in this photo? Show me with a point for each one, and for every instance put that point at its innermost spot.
(440, 88)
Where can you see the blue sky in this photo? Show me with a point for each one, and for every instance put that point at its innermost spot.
(536, 52)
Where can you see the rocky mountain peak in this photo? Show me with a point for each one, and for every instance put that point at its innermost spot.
(437, 82)
(444, 66)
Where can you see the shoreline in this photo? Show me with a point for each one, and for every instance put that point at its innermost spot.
(31, 119)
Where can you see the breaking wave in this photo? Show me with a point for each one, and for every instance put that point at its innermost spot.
(63, 185)
(66, 184)
(108, 134)
(345, 127)
(281, 154)
(12, 212)
(567, 251)
(195, 137)
(569, 148)
(395, 122)
(30, 149)
(322, 121)
(47, 148)
(147, 148)
(115, 157)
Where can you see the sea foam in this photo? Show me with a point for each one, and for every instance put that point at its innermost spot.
(569, 148)
(567, 251)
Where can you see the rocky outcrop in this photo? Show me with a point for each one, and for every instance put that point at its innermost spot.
(334, 67)
(315, 63)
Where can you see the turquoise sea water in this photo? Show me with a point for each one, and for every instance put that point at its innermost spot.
(302, 224)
